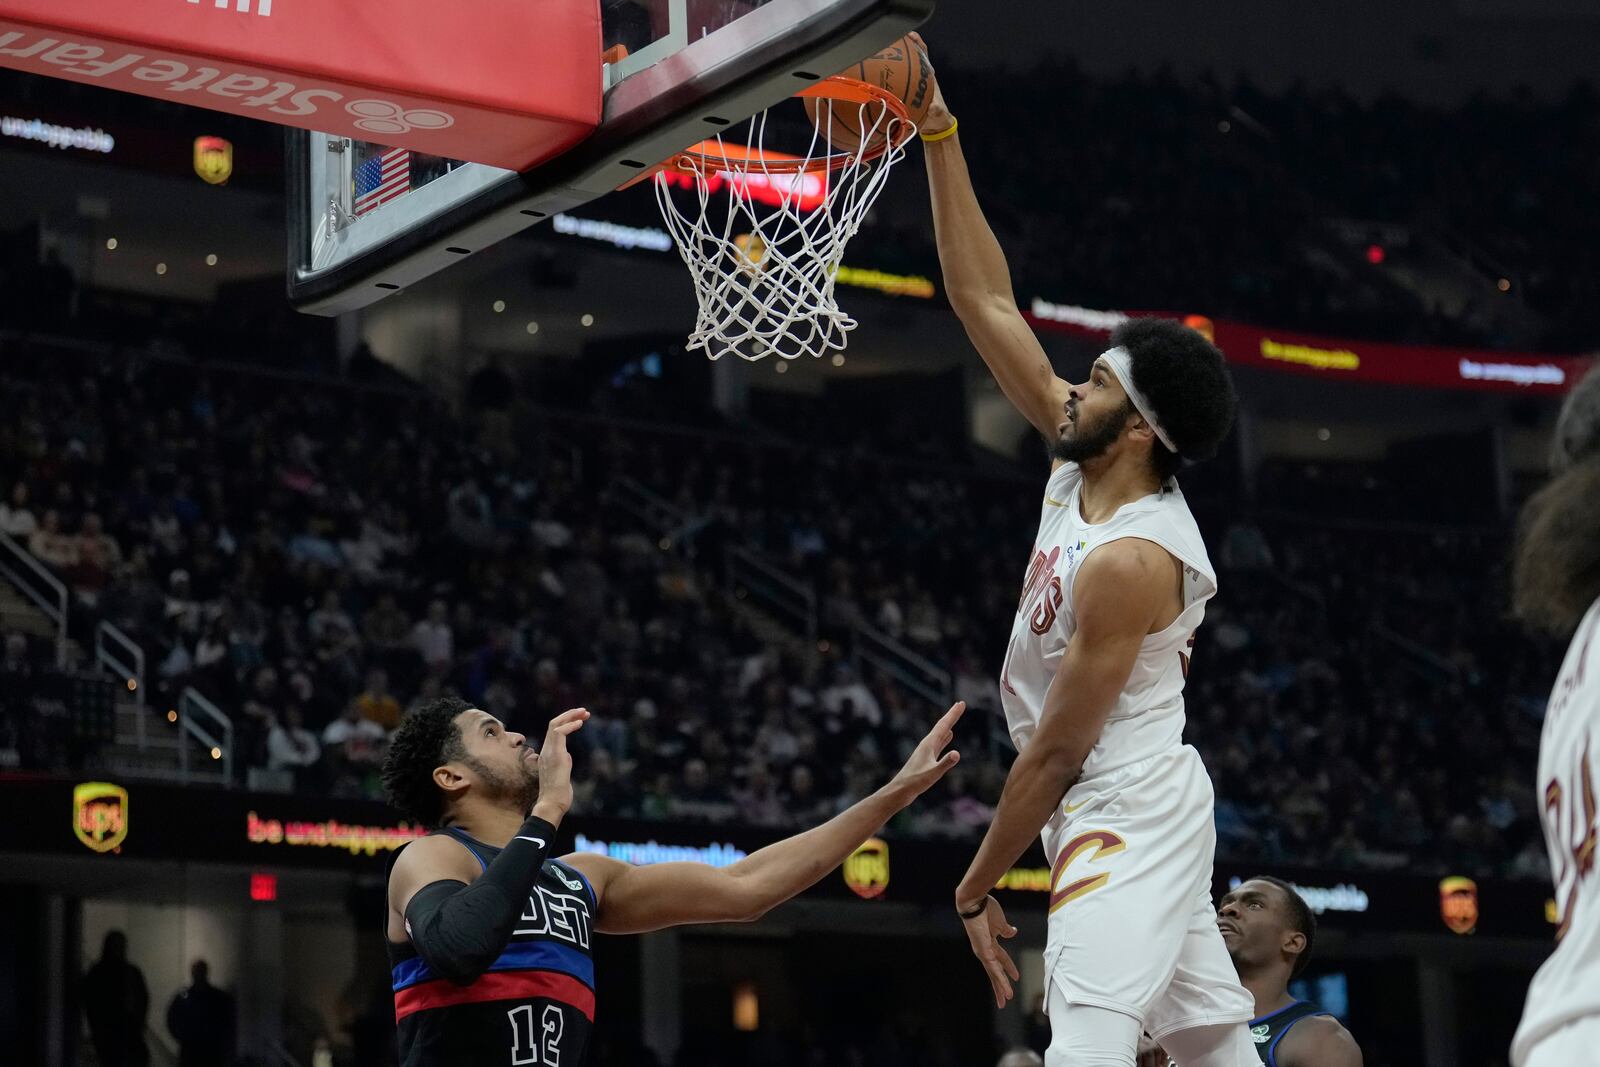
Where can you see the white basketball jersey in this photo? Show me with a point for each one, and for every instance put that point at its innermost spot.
(1148, 717)
(1567, 987)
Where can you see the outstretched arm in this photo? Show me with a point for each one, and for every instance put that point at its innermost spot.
(979, 282)
(1118, 592)
(636, 899)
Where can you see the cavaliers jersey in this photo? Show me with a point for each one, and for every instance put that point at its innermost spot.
(1567, 987)
(533, 1005)
(1147, 718)
(1268, 1030)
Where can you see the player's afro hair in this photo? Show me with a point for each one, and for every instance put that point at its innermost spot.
(1301, 919)
(426, 739)
(1186, 381)
(1556, 575)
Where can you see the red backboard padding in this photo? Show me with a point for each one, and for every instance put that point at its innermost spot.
(509, 83)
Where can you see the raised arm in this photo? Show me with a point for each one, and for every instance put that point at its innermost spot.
(636, 899)
(1118, 593)
(978, 282)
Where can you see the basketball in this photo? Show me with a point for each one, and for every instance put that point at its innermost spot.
(902, 70)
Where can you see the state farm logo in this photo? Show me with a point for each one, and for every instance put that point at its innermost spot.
(238, 92)
(383, 116)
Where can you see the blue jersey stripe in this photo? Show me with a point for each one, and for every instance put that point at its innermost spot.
(518, 956)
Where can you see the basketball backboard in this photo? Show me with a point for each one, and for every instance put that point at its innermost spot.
(366, 221)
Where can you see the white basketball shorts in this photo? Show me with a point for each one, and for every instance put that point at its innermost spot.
(1131, 924)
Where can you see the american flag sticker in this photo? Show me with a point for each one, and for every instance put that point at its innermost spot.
(382, 178)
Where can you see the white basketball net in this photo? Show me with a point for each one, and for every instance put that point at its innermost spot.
(764, 271)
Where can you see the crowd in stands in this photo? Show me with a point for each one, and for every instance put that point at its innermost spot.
(1213, 196)
(317, 561)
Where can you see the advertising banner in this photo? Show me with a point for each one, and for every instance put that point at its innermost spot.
(109, 822)
(1424, 366)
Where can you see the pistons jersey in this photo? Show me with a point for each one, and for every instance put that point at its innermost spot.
(1267, 1031)
(1147, 718)
(1567, 987)
(533, 1005)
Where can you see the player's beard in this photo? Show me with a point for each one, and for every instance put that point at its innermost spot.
(1091, 442)
(521, 789)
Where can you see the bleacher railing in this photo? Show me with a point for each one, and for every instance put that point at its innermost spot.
(204, 721)
(666, 519)
(120, 656)
(34, 581)
(792, 599)
(911, 669)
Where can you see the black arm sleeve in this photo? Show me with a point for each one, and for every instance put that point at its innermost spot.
(461, 929)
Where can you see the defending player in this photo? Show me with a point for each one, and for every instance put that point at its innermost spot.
(1269, 930)
(1094, 672)
(1556, 583)
(490, 940)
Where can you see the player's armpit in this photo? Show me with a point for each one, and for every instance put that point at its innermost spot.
(636, 900)
(1319, 1041)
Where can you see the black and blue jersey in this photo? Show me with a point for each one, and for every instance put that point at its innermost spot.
(534, 1004)
(1268, 1030)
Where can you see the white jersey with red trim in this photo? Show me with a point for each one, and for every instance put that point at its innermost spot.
(1131, 927)
(1567, 987)
(1147, 718)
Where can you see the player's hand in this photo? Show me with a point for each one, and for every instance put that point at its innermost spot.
(555, 766)
(1150, 1053)
(929, 762)
(938, 118)
(984, 932)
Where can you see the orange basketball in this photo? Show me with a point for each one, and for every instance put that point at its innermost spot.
(902, 70)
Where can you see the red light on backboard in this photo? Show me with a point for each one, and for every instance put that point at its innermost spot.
(263, 887)
(1376, 254)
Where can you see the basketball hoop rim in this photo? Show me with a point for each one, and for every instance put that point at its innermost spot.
(721, 155)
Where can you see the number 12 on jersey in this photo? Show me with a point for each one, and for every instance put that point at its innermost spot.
(528, 1047)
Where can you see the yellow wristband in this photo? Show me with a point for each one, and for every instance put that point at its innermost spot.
(930, 138)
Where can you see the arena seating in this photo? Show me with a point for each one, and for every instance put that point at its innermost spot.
(317, 558)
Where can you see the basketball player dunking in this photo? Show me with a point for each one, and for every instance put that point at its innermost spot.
(490, 939)
(1556, 581)
(1093, 677)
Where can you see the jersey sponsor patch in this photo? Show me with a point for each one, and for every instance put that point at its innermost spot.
(574, 884)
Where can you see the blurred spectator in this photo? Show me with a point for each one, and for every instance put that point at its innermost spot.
(202, 1020)
(51, 545)
(290, 746)
(355, 748)
(433, 638)
(376, 703)
(16, 518)
(116, 1002)
(385, 627)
